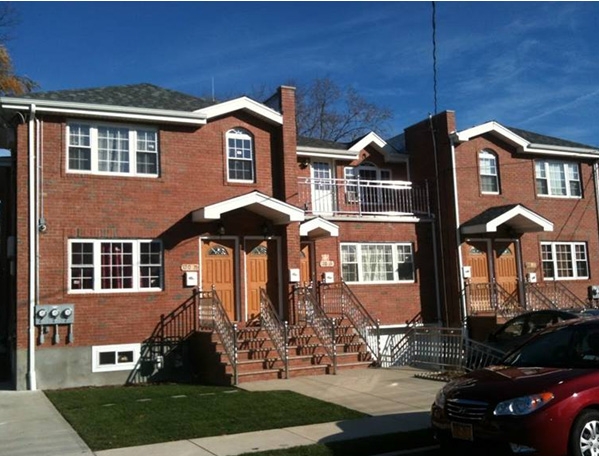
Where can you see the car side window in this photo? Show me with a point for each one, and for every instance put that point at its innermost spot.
(513, 330)
(540, 321)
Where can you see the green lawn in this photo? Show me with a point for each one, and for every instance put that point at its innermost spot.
(379, 444)
(115, 417)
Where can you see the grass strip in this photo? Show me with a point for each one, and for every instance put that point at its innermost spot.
(116, 417)
(365, 446)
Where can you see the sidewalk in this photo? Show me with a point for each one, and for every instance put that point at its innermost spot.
(395, 400)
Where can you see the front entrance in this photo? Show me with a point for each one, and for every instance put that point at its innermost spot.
(239, 287)
(490, 261)
(218, 271)
(306, 264)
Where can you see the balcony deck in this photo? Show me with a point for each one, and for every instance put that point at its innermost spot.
(363, 198)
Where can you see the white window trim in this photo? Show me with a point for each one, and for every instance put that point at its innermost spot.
(548, 179)
(572, 246)
(97, 267)
(241, 133)
(94, 149)
(98, 349)
(488, 155)
(395, 261)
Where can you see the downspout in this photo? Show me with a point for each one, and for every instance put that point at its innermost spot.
(457, 233)
(31, 374)
(436, 266)
(596, 182)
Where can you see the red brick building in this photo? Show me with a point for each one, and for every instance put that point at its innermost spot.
(138, 219)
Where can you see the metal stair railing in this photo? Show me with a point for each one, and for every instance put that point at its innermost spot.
(559, 295)
(213, 315)
(491, 297)
(536, 299)
(337, 298)
(277, 330)
(313, 315)
(396, 349)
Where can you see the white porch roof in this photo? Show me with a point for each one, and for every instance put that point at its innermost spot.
(319, 228)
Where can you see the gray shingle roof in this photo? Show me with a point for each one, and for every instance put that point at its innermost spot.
(136, 95)
(537, 138)
(488, 215)
(321, 143)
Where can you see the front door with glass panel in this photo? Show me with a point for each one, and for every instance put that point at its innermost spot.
(322, 188)
(261, 267)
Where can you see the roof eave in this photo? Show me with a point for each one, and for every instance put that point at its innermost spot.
(104, 111)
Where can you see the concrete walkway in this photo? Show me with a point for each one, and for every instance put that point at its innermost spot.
(396, 401)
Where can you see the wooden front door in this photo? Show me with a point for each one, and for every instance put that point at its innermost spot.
(506, 271)
(306, 269)
(257, 274)
(218, 271)
(476, 257)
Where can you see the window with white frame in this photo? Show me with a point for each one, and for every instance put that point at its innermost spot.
(365, 172)
(557, 178)
(112, 149)
(377, 262)
(489, 175)
(108, 358)
(114, 265)
(564, 260)
(240, 156)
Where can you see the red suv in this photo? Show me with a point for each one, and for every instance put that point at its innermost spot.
(543, 398)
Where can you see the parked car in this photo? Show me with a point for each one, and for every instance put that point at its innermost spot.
(542, 398)
(519, 329)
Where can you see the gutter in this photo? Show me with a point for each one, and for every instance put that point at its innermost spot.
(31, 374)
(105, 111)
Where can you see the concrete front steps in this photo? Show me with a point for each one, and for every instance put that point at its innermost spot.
(257, 358)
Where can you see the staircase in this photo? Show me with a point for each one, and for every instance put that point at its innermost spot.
(270, 349)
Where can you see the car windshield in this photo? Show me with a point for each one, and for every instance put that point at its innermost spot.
(573, 346)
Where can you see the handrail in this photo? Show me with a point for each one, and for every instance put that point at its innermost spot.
(313, 315)
(556, 292)
(491, 297)
(338, 298)
(226, 330)
(363, 196)
(277, 331)
(536, 299)
(398, 349)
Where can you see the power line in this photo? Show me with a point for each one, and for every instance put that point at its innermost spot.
(434, 55)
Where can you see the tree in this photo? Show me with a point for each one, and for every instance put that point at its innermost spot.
(10, 82)
(326, 111)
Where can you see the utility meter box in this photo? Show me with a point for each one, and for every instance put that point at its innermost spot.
(531, 277)
(594, 292)
(328, 277)
(191, 278)
(467, 272)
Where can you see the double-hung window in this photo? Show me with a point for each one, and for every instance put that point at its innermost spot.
(377, 262)
(240, 156)
(489, 175)
(114, 265)
(557, 178)
(564, 260)
(112, 149)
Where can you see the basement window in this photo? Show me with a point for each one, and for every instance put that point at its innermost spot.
(109, 358)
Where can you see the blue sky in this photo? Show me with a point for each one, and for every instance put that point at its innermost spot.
(532, 65)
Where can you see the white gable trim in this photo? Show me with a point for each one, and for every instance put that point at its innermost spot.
(319, 228)
(242, 103)
(524, 220)
(520, 143)
(279, 212)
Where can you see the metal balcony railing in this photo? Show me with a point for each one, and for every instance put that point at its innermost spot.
(359, 197)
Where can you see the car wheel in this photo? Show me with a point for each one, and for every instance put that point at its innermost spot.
(584, 438)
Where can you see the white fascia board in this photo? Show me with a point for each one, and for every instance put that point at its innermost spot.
(543, 149)
(105, 111)
(490, 127)
(326, 153)
(319, 223)
(242, 103)
(215, 211)
(389, 153)
(519, 210)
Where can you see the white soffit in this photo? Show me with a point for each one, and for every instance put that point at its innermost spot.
(279, 212)
(319, 228)
(518, 218)
(242, 103)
